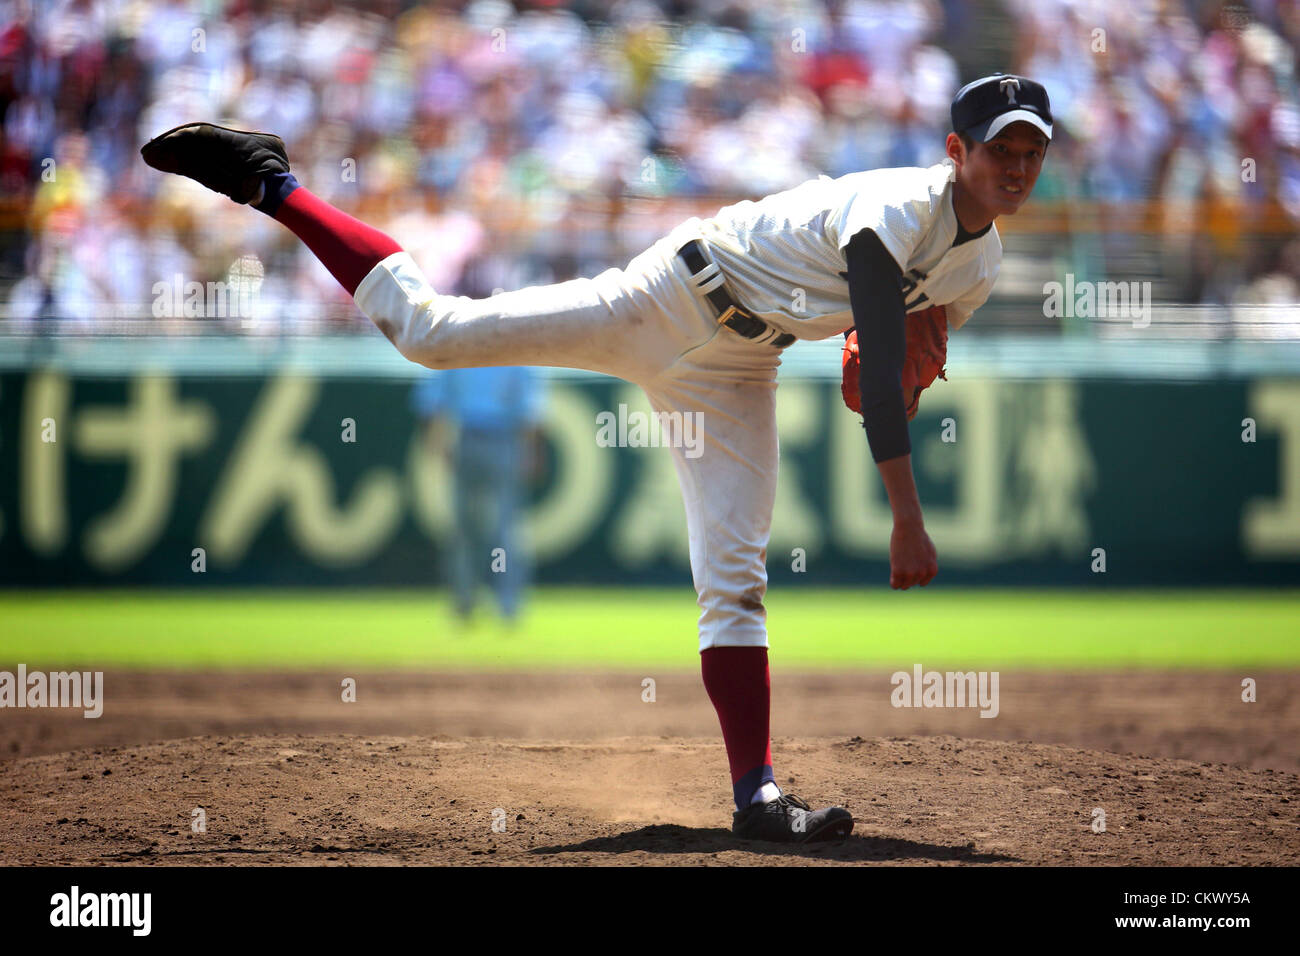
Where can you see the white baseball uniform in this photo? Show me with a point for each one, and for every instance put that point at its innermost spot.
(783, 259)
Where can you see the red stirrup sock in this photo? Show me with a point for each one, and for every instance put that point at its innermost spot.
(347, 247)
(740, 685)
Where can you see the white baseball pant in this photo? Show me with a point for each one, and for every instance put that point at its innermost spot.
(644, 324)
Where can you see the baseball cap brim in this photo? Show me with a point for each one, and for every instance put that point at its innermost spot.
(986, 131)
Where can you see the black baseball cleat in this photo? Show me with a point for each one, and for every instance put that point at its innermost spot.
(787, 819)
(228, 161)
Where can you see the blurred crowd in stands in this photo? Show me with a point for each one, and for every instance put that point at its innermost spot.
(513, 143)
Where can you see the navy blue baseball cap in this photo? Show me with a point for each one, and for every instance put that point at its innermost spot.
(987, 106)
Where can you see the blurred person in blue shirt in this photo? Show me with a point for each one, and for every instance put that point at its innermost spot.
(486, 421)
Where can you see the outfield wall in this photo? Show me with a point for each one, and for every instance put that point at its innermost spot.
(110, 477)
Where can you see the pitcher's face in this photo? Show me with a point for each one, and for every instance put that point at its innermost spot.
(1000, 174)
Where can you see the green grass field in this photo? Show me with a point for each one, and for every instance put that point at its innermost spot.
(603, 629)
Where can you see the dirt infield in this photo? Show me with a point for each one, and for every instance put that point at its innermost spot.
(579, 769)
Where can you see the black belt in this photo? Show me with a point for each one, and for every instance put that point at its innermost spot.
(730, 312)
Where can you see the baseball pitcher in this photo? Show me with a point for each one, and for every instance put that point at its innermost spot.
(699, 321)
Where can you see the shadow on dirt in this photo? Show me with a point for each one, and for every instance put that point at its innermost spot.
(670, 838)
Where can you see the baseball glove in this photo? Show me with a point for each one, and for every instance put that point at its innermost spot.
(927, 353)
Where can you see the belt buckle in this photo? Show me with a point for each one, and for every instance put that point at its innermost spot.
(727, 316)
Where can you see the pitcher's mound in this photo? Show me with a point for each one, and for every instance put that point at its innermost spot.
(343, 799)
